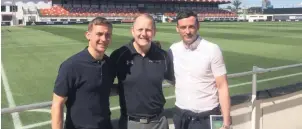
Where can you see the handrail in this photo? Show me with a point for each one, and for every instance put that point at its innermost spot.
(263, 70)
(26, 107)
(48, 104)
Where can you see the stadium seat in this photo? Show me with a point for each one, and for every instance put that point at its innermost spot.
(127, 14)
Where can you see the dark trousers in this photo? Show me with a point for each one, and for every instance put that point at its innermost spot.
(133, 122)
(106, 125)
(123, 122)
(158, 123)
(186, 119)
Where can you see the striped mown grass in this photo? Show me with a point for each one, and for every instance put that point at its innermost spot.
(31, 56)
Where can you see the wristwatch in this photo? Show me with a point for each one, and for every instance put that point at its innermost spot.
(226, 126)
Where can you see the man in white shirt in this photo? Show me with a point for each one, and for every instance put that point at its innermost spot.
(201, 86)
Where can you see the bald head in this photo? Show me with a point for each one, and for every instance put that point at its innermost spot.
(143, 18)
(143, 30)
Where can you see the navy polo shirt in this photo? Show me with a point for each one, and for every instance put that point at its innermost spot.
(86, 83)
(140, 79)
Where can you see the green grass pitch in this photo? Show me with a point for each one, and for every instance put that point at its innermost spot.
(31, 56)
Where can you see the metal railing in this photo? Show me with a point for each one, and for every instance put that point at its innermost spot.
(256, 70)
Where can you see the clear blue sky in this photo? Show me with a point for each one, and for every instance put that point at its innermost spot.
(275, 3)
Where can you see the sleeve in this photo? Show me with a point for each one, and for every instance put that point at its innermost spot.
(114, 59)
(112, 66)
(217, 63)
(65, 80)
(169, 75)
(122, 100)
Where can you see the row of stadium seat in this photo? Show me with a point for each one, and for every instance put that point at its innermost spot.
(86, 12)
(125, 12)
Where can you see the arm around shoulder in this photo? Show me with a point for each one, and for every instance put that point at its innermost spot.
(113, 66)
(169, 76)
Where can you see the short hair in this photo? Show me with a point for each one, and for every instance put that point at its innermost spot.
(148, 16)
(186, 14)
(99, 21)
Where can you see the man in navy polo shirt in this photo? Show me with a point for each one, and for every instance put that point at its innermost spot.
(83, 83)
(141, 66)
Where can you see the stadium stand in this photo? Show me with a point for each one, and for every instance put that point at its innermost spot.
(257, 14)
(284, 14)
(118, 10)
(88, 12)
(127, 12)
(283, 11)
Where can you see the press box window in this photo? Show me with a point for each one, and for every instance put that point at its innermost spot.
(83, 20)
(13, 8)
(3, 8)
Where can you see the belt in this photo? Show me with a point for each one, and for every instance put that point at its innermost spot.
(196, 116)
(144, 119)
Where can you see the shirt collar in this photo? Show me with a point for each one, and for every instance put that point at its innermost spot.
(193, 45)
(133, 50)
(87, 56)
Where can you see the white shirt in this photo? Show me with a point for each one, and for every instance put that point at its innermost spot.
(195, 70)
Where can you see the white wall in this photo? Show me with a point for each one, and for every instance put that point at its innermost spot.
(32, 4)
(255, 17)
(28, 3)
(282, 112)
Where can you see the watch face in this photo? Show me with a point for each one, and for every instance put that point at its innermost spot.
(216, 121)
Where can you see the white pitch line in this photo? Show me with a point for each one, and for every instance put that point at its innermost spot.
(171, 126)
(41, 123)
(36, 125)
(171, 97)
(10, 99)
